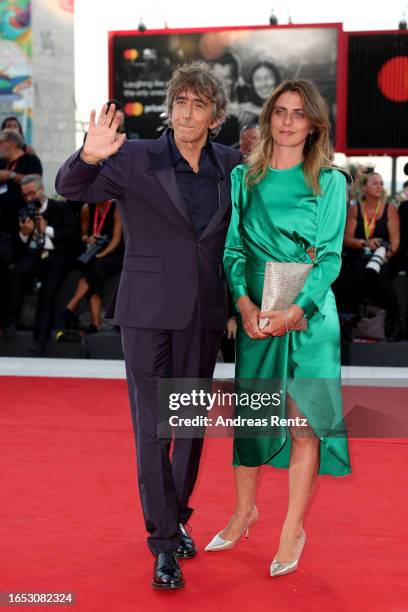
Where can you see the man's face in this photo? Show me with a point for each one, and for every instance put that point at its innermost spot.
(5, 148)
(248, 141)
(30, 192)
(192, 117)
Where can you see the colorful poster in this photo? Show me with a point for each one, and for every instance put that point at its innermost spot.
(16, 89)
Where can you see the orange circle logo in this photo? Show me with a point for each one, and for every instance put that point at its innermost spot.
(134, 109)
(393, 79)
(131, 54)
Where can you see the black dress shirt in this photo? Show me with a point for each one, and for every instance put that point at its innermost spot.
(199, 190)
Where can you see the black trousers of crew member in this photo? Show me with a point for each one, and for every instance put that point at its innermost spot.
(165, 484)
(50, 272)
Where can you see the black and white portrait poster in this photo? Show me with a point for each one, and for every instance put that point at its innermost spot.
(253, 61)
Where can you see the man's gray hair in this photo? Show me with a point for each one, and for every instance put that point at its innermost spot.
(32, 178)
(12, 136)
(201, 79)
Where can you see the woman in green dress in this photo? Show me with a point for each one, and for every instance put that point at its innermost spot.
(289, 205)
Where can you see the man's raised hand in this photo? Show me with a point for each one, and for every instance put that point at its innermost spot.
(103, 139)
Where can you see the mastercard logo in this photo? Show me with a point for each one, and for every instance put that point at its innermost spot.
(131, 54)
(134, 109)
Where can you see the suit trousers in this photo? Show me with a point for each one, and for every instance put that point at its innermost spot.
(165, 484)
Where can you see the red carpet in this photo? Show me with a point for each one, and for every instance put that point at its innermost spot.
(70, 518)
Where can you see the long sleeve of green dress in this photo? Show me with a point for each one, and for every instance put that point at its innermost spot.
(331, 219)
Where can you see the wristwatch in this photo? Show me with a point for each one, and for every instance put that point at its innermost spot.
(12, 175)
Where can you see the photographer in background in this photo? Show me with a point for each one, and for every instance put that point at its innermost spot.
(15, 164)
(372, 238)
(48, 238)
(101, 230)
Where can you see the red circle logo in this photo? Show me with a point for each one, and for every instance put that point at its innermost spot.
(393, 79)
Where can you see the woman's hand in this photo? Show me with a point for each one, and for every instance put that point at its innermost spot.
(278, 322)
(88, 239)
(373, 243)
(250, 317)
(103, 253)
(281, 321)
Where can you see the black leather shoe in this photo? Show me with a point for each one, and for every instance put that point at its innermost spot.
(167, 573)
(187, 548)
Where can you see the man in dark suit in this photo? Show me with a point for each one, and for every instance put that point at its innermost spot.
(174, 199)
(47, 238)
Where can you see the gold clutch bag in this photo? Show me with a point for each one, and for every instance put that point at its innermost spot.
(282, 284)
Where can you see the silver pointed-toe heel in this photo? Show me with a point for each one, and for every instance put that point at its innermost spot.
(218, 543)
(279, 569)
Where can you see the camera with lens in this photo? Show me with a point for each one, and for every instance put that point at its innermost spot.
(30, 211)
(378, 258)
(93, 249)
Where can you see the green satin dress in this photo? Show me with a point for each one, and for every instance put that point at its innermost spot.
(280, 219)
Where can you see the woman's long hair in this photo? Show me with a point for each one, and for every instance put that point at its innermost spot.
(316, 150)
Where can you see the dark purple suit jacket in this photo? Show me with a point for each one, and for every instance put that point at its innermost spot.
(166, 268)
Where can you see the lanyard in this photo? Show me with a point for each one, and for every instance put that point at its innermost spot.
(369, 226)
(97, 227)
(11, 166)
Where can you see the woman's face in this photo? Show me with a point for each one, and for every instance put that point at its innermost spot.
(264, 82)
(374, 187)
(289, 124)
(12, 124)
